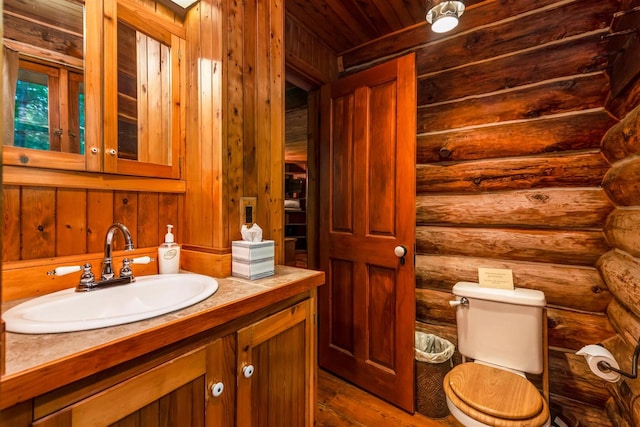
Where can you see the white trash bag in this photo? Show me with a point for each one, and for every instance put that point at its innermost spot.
(432, 349)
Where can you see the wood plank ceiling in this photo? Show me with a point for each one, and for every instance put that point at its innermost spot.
(345, 24)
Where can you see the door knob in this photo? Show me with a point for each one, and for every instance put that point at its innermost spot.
(400, 251)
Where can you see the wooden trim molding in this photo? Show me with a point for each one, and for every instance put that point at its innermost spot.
(16, 175)
(210, 264)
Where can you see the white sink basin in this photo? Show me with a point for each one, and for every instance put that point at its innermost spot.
(148, 296)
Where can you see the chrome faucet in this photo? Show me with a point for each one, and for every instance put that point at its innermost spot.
(107, 269)
(107, 277)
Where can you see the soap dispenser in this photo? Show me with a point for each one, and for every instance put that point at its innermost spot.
(169, 254)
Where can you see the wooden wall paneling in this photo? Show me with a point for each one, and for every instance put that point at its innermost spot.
(313, 172)
(99, 217)
(568, 329)
(485, 13)
(433, 306)
(546, 98)
(570, 286)
(622, 182)
(624, 321)
(125, 211)
(572, 377)
(623, 354)
(263, 113)
(148, 228)
(621, 272)
(235, 118)
(168, 213)
(572, 329)
(250, 84)
(275, 206)
(568, 170)
(625, 102)
(623, 228)
(38, 222)
(208, 85)
(623, 139)
(218, 146)
(11, 223)
(579, 130)
(615, 414)
(71, 221)
(627, 403)
(585, 415)
(309, 62)
(566, 57)
(263, 120)
(626, 65)
(194, 198)
(550, 246)
(545, 208)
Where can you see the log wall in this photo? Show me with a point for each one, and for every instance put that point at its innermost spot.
(620, 267)
(511, 114)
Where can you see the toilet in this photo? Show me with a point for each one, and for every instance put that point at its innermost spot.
(502, 331)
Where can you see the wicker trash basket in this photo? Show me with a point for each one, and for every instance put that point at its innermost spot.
(433, 361)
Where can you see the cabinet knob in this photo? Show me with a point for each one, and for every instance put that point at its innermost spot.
(94, 150)
(112, 152)
(247, 371)
(217, 389)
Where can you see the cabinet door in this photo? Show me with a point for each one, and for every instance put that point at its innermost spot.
(221, 371)
(280, 350)
(170, 395)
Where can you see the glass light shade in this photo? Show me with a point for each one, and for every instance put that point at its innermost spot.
(444, 24)
(444, 16)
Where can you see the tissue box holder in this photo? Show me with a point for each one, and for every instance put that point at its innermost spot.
(252, 260)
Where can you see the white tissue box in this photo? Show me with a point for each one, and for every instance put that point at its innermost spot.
(252, 260)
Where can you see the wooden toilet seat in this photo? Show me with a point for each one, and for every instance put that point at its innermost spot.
(495, 397)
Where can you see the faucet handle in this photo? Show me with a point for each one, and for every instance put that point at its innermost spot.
(141, 260)
(61, 271)
(126, 271)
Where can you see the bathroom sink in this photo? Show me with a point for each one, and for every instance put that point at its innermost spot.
(148, 296)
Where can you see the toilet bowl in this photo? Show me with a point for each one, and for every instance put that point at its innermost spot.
(479, 395)
(501, 330)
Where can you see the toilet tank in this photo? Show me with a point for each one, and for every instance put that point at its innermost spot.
(501, 327)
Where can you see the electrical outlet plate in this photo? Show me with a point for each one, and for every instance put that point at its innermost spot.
(248, 210)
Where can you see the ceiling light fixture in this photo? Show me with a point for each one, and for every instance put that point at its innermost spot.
(443, 16)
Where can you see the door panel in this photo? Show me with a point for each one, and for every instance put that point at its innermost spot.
(367, 208)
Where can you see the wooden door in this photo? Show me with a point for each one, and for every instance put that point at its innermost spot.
(367, 209)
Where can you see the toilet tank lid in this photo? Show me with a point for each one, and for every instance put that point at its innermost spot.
(519, 296)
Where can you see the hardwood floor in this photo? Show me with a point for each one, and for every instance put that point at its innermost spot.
(342, 404)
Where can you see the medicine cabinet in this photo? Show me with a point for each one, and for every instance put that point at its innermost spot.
(98, 87)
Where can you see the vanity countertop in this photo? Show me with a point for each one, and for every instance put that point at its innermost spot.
(32, 361)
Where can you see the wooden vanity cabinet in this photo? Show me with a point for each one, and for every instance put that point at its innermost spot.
(170, 394)
(174, 388)
(276, 369)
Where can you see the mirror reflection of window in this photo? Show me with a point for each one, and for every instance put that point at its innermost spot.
(43, 89)
(46, 117)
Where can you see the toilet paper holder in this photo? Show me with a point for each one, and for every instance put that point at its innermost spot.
(605, 366)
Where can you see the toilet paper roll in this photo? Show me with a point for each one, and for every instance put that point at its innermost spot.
(594, 354)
